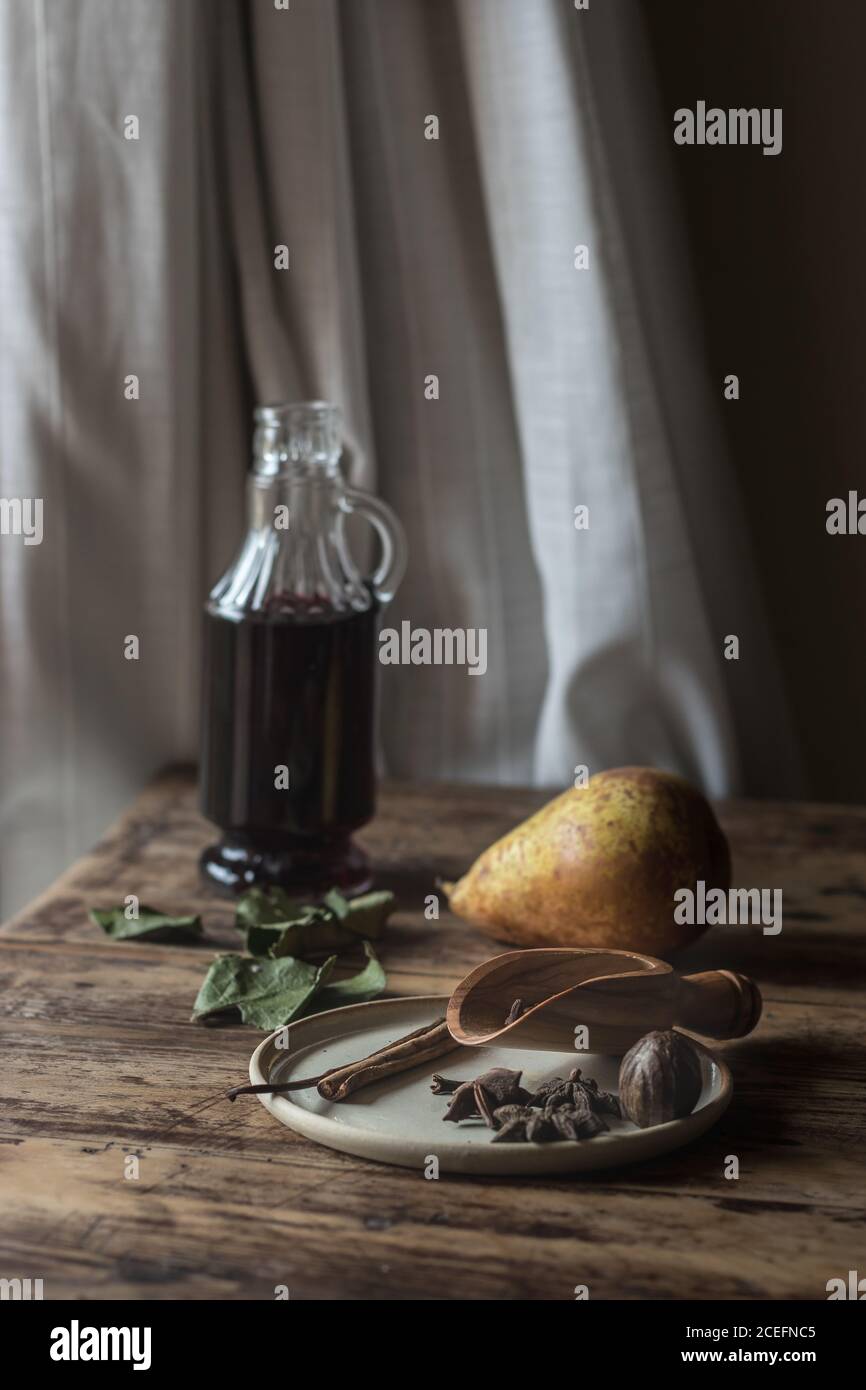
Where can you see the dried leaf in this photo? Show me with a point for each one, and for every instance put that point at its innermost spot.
(367, 915)
(261, 907)
(264, 993)
(149, 925)
(367, 984)
(278, 925)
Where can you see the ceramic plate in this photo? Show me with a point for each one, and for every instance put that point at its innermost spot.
(400, 1120)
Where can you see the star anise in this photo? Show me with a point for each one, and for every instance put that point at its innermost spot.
(547, 1091)
(602, 1102)
(512, 1132)
(592, 1125)
(517, 1124)
(576, 1091)
(443, 1085)
(573, 1122)
(540, 1128)
(569, 1097)
(567, 1122)
(510, 1121)
(492, 1090)
(559, 1109)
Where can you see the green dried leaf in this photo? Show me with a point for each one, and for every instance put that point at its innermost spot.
(367, 984)
(308, 935)
(260, 907)
(308, 929)
(368, 914)
(261, 940)
(149, 925)
(266, 993)
(337, 904)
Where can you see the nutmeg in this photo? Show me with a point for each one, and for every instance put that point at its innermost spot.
(660, 1079)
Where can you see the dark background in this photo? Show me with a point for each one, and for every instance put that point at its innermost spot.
(779, 248)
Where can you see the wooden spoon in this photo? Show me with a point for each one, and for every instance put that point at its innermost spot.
(616, 995)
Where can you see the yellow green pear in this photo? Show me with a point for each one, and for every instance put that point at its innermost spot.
(599, 866)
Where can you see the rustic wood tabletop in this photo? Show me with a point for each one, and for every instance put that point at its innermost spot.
(101, 1062)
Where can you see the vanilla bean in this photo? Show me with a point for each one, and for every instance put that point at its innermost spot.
(268, 1088)
(514, 1012)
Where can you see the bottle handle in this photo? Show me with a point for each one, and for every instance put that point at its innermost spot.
(385, 579)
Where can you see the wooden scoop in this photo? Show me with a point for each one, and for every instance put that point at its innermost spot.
(616, 995)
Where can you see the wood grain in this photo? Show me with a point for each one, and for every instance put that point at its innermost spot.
(101, 1062)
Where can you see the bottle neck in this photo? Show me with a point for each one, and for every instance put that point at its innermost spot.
(296, 502)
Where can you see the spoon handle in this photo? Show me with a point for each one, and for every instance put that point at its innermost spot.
(718, 1004)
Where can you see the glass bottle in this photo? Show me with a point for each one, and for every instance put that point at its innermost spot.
(290, 667)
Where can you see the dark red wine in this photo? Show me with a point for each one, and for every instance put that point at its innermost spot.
(299, 695)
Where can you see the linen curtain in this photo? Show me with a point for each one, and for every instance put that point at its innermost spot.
(559, 387)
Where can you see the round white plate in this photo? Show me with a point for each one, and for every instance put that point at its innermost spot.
(400, 1120)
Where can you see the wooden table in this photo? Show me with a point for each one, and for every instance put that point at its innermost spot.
(100, 1062)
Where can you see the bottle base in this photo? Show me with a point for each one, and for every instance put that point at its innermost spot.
(233, 866)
